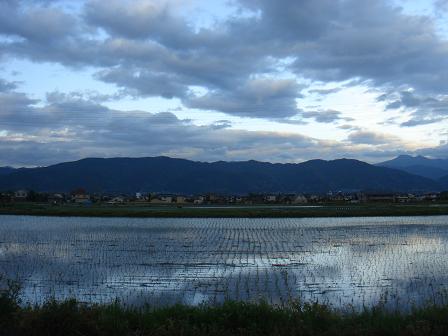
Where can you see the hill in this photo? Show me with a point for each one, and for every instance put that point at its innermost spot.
(443, 181)
(6, 170)
(163, 174)
(419, 165)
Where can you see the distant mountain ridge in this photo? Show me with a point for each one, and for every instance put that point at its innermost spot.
(6, 170)
(443, 181)
(163, 174)
(419, 165)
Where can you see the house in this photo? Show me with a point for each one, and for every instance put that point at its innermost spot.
(81, 199)
(270, 198)
(166, 198)
(405, 198)
(314, 198)
(214, 198)
(299, 199)
(21, 195)
(80, 196)
(199, 200)
(255, 198)
(379, 197)
(181, 199)
(163, 199)
(240, 199)
(56, 199)
(117, 200)
(234, 199)
(428, 197)
(6, 197)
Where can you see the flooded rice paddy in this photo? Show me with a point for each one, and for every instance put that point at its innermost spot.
(338, 261)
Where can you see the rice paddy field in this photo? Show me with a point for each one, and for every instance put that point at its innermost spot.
(359, 262)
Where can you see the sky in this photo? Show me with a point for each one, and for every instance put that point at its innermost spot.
(278, 81)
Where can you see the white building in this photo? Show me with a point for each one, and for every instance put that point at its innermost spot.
(270, 198)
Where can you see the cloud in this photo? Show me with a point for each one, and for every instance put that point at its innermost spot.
(151, 49)
(70, 126)
(40, 24)
(325, 116)
(138, 19)
(349, 127)
(325, 92)
(440, 151)
(6, 85)
(420, 121)
(260, 61)
(145, 83)
(262, 98)
(17, 111)
(372, 138)
(329, 40)
(220, 124)
(441, 5)
(422, 109)
(374, 41)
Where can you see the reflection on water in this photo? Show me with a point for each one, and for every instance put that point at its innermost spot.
(339, 261)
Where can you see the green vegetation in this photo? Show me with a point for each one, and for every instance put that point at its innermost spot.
(330, 210)
(231, 318)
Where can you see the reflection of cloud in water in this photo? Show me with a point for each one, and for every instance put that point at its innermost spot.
(164, 261)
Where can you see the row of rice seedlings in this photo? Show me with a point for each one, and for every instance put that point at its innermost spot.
(163, 261)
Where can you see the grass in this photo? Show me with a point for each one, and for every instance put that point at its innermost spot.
(343, 210)
(231, 318)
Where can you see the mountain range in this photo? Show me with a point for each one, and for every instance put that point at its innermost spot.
(419, 165)
(6, 170)
(169, 175)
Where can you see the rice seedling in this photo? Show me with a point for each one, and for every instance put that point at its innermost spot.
(341, 262)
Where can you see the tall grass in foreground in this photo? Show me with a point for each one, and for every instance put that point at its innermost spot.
(231, 318)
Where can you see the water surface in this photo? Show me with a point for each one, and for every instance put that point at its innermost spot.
(339, 261)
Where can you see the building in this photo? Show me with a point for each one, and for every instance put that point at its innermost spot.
(56, 199)
(117, 200)
(181, 199)
(299, 199)
(405, 198)
(199, 200)
(21, 195)
(163, 199)
(270, 198)
(81, 199)
(378, 197)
